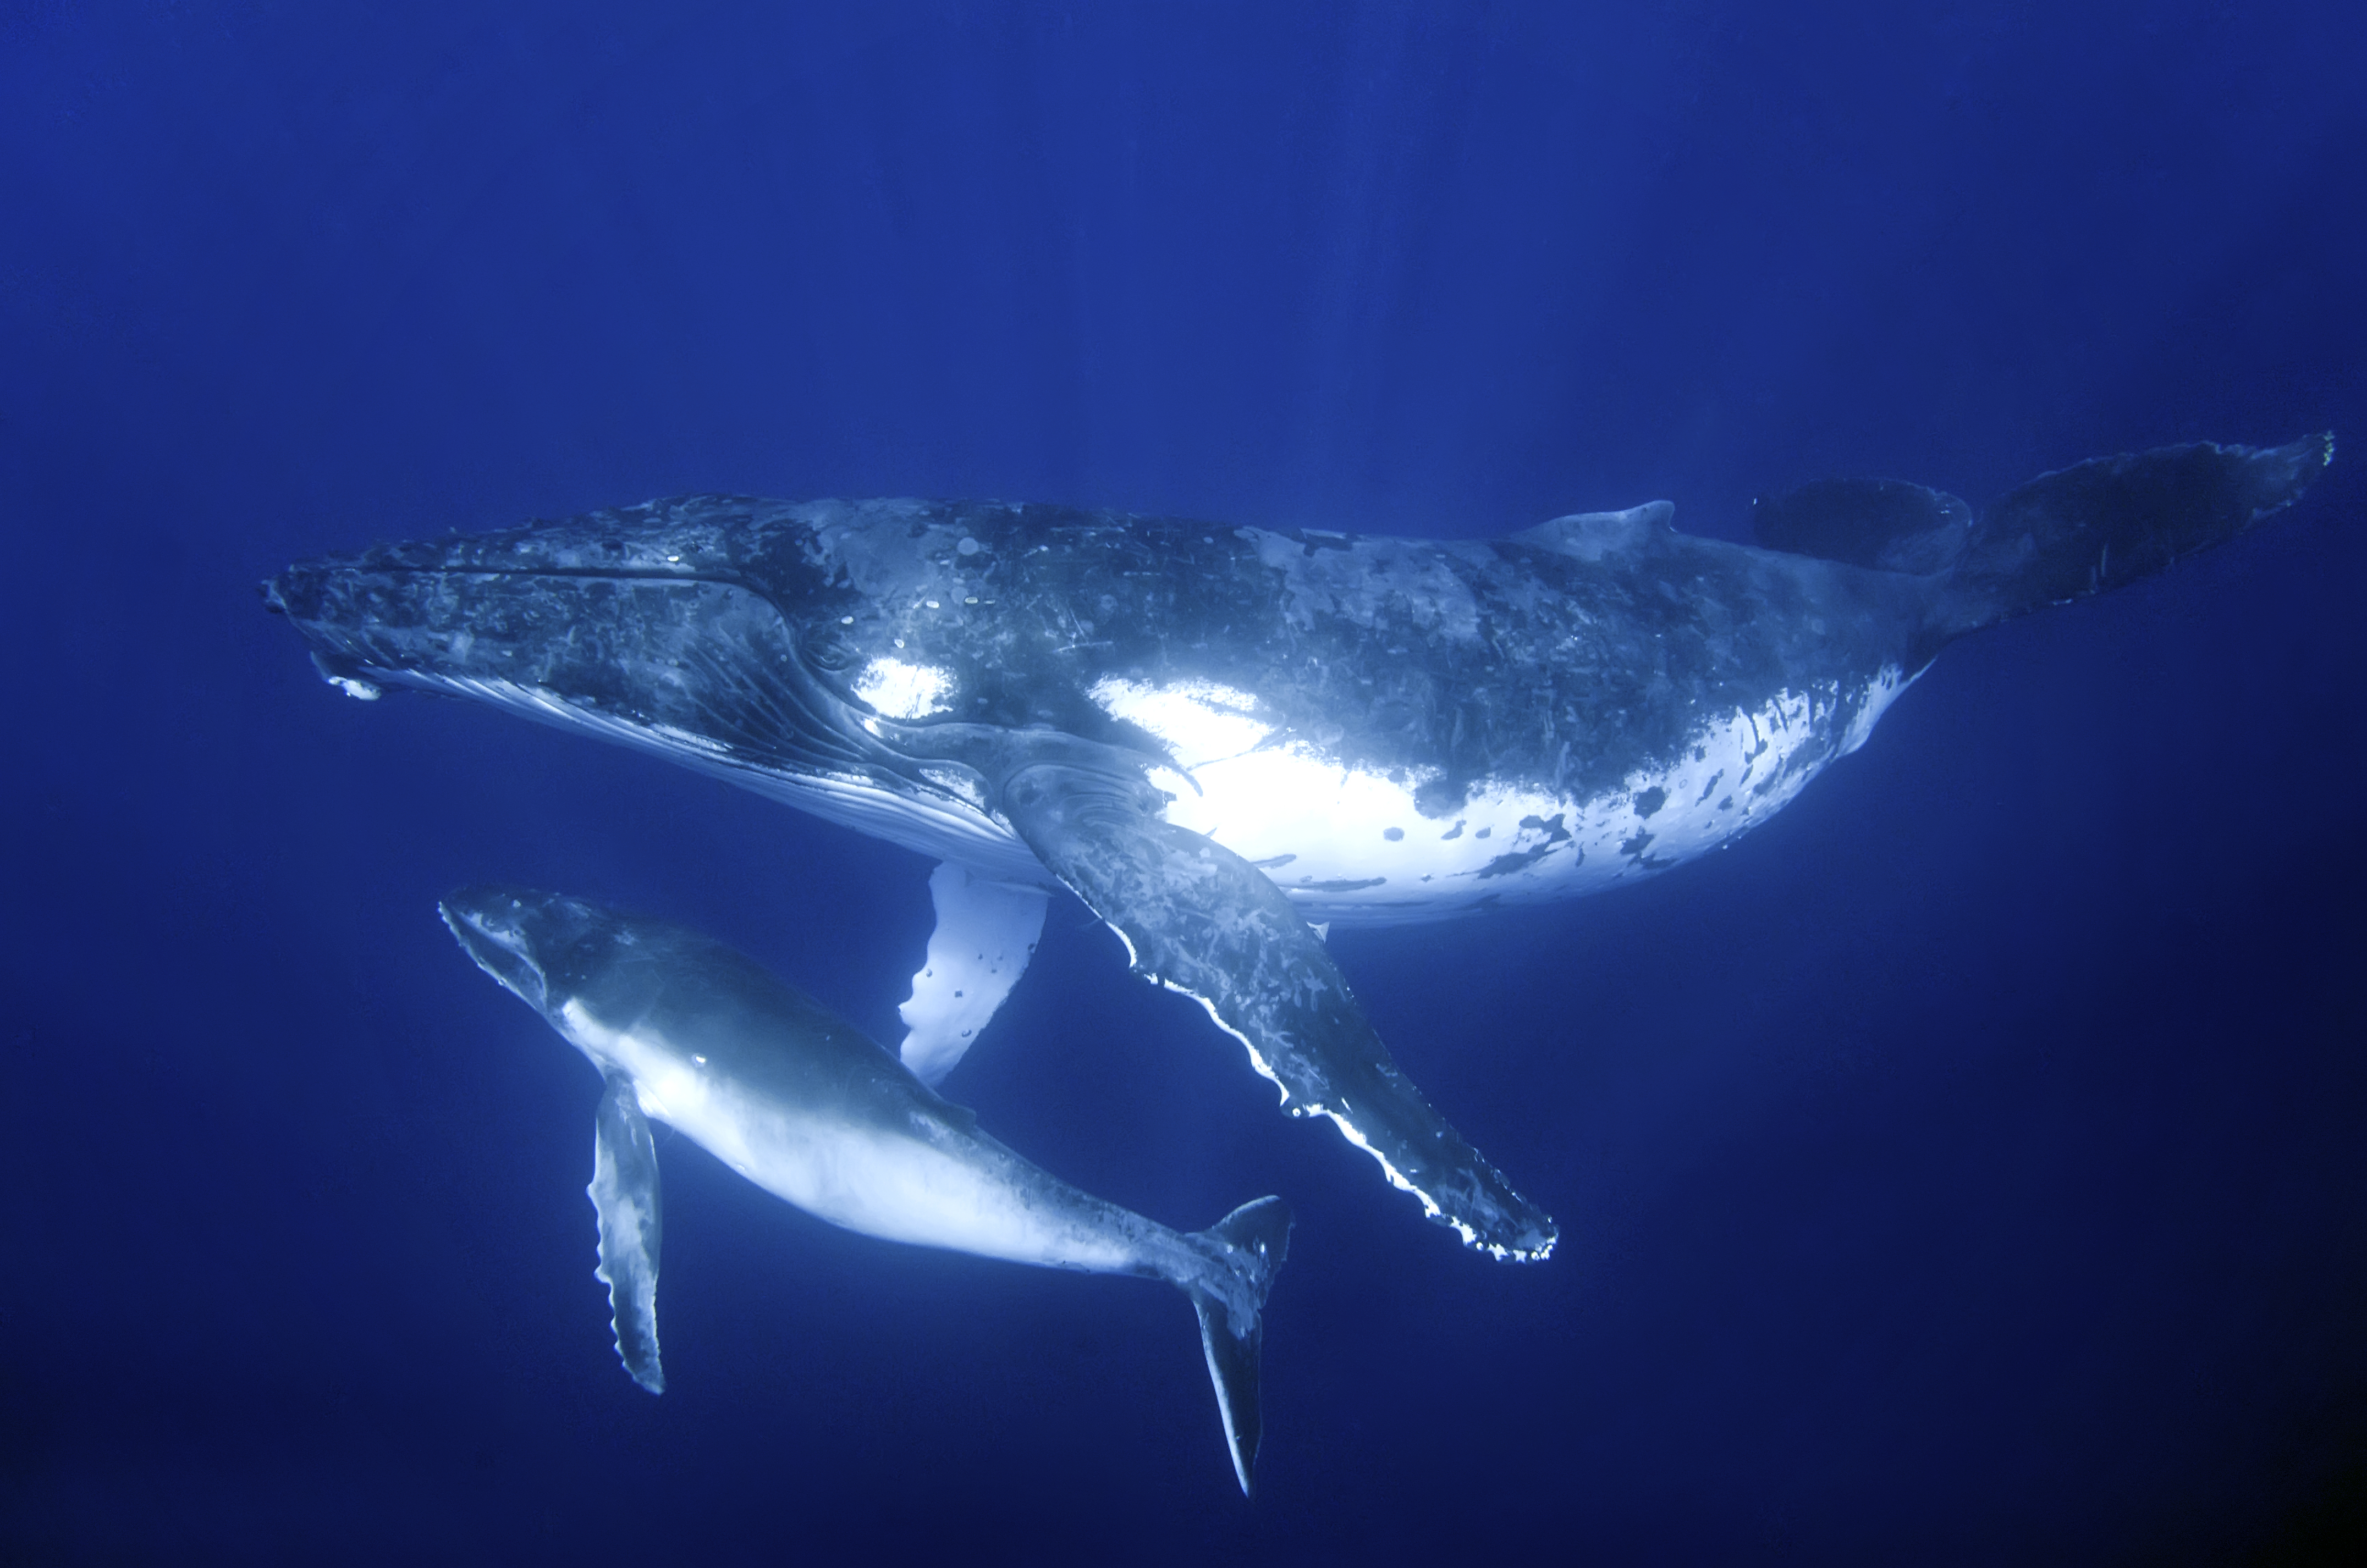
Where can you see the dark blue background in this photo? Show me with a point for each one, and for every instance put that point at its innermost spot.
(1965, 1169)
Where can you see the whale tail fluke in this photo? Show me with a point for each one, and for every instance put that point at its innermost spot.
(1882, 524)
(1249, 1245)
(2096, 526)
(2110, 520)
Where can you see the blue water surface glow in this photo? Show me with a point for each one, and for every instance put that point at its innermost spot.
(1966, 1168)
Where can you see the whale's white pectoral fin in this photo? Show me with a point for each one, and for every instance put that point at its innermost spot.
(624, 1193)
(1200, 919)
(986, 932)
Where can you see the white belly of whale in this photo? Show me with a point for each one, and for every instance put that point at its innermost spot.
(1348, 845)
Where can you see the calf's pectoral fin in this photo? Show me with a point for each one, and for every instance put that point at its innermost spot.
(624, 1193)
(1200, 919)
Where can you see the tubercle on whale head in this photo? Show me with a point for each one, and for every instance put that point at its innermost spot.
(415, 612)
(660, 643)
(682, 541)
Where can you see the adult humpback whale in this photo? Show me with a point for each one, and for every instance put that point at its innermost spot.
(1215, 736)
(799, 1102)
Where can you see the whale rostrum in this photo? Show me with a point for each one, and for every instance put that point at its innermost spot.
(689, 1032)
(1225, 739)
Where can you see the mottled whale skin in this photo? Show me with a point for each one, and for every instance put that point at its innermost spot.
(687, 1031)
(1216, 735)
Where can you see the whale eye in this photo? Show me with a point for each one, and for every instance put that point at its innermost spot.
(826, 646)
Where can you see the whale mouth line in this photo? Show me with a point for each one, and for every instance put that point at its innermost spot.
(499, 951)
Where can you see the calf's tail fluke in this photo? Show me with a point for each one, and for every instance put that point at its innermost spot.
(1247, 1247)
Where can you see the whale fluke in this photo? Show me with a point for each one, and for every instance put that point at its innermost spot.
(1881, 524)
(2064, 536)
(2107, 522)
(1253, 1239)
(2078, 531)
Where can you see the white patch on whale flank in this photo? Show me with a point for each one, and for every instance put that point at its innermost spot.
(1348, 844)
(901, 690)
(1199, 720)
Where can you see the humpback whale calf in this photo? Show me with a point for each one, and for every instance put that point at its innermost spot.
(687, 1031)
(1224, 740)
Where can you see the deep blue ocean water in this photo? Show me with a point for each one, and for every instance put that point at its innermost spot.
(1965, 1169)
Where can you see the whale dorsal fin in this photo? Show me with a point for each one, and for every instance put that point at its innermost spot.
(1589, 535)
(624, 1193)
